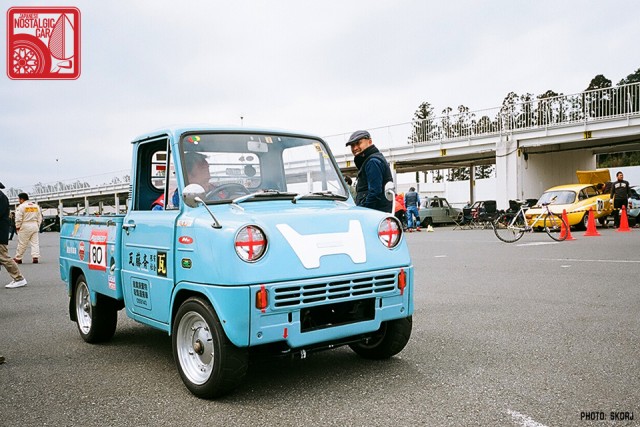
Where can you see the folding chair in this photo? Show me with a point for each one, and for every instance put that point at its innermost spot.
(464, 220)
(488, 214)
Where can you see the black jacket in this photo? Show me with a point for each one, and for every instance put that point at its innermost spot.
(4, 219)
(620, 190)
(373, 174)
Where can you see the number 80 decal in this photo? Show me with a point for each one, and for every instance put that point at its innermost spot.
(98, 250)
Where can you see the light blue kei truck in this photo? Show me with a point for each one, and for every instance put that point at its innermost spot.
(237, 240)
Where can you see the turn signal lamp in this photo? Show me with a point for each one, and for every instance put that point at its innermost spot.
(262, 299)
(402, 281)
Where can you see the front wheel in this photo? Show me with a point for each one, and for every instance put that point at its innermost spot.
(208, 363)
(388, 341)
(553, 225)
(508, 228)
(96, 323)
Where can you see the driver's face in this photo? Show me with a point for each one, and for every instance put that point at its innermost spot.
(200, 174)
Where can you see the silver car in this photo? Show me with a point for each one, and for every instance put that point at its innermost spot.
(437, 210)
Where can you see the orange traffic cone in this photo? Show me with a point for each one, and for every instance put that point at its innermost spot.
(624, 220)
(591, 225)
(565, 230)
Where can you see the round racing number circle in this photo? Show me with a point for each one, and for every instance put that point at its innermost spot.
(599, 206)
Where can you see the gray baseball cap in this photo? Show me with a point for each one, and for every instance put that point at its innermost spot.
(357, 136)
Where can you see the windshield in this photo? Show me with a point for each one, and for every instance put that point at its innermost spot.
(229, 166)
(564, 197)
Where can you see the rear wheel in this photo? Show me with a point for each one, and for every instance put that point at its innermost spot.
(388, 341)
(509, 228)
(427, 222)
(553, 225)
(96, 323)
(584, 222)
(208, 363)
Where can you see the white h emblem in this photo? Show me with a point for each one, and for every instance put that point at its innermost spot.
(311, 247)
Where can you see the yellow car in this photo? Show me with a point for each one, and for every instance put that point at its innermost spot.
(576, 199)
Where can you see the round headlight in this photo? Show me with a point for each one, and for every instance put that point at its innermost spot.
(250, 243)
(389, 232)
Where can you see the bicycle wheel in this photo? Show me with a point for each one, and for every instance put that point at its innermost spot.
(553, 225)
(508, 227)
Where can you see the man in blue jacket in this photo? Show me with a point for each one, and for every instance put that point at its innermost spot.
(373, 172)
(412, 202)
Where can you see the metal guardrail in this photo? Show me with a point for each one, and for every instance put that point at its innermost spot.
(534, 113)
(77, 187)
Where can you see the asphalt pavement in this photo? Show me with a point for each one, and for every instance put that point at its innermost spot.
(535, 333)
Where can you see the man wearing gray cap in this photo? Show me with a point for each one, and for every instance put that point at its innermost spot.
(373, 172)
(5, 259)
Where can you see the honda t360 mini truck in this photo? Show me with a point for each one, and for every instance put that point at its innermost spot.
(238, 239)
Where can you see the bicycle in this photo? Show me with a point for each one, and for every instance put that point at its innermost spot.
(510, 227)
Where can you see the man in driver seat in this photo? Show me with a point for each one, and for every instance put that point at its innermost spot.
(197, 173)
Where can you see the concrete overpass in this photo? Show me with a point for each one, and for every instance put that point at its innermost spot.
(534, 145)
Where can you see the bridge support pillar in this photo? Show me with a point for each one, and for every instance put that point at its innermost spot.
(507, 166)
(472, 184)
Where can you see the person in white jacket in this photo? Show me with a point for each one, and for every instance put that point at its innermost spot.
(28, 220)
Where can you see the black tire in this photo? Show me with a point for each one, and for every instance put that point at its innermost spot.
(427, 222)
(388, 341)
(505, 230)
(553, 225)
(584, 222)
(209, 364)
(96, 323)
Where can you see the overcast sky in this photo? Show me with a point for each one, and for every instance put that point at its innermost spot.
(326, 67)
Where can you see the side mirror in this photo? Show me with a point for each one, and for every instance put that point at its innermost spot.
(389, 191)
(193, 194)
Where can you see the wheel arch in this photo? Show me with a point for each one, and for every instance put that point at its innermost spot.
(229, 303)
(74, 273)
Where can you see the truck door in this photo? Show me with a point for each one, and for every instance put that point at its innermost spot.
(148, 235)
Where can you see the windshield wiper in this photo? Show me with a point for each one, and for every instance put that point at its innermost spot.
(266, 194)
(319, 195)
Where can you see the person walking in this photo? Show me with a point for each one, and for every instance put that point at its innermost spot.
(28, 221)
(12, 224)
(6, 260)
(401, 211)
(620, 196)
(373, 172)
(412, 202)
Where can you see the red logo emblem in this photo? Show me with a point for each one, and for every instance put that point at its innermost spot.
(185, 240)
(43, 43)
(81, 251)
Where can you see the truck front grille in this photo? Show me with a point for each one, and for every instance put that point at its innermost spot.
(292, 295)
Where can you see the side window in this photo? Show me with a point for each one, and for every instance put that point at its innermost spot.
(163, 178)
(155, 176)
(590, 192)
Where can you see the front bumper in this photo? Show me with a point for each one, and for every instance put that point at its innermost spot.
(329, 309)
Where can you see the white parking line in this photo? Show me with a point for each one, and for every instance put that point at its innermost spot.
(537, 243)
(440, 256)
(524, 420)
(616, 261)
